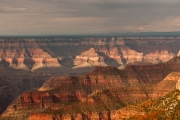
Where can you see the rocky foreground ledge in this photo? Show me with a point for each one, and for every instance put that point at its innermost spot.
(99, 94)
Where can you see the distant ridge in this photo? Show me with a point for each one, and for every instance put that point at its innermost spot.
(110, 34)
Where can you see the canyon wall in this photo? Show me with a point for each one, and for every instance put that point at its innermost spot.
(13, 86)
(94, 95)
(38, 53)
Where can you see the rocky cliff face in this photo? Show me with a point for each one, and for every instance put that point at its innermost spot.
(43, 60)
(94, 95)
(88, 59)
(13, 86)
(158, 56)
(178, 84)
(25, 54)
(166, 107)
(38, 53)
(167, 85)
(131, 56)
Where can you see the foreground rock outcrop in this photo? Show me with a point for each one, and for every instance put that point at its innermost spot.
(98, 94)
(164, 108)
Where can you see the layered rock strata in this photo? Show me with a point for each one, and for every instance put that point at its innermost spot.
(13, 86)
(103, 90)
(36, 53)
(28, 59)
(42, 60)
(40, 53)
(88, 59)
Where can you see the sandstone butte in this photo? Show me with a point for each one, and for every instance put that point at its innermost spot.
(89, 58)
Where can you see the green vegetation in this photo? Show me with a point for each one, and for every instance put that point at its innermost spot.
(166, 108)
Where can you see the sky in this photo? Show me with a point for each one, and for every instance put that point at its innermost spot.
(59, 17)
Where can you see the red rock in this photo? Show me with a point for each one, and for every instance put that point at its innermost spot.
(38, 116)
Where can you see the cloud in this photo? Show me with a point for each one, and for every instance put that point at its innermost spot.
(141, 28)
(88, 16)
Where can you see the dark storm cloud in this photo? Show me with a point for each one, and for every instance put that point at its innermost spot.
(88, 16)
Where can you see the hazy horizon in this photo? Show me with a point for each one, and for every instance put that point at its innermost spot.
(110, 34)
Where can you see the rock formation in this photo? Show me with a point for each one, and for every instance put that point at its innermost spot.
(112, 55)
(43, 59)
(13, 86)
(88, 59)
(178, 54)
(23, 58)
(178, 84)
(38, 53)
(158, 56)
(95, 95)
(131, 56)
(166, 107)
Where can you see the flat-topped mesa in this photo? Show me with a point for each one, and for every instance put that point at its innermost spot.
(89, 59)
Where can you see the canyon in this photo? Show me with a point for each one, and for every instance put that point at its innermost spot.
(100, 94)
(38, 54)
(84, 78)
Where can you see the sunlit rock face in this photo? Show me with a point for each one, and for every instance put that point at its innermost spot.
(42, 59)
(158, 56)
(25, 56)
(112, 55)
(15, 58)
(132, 82)
(178, 84)
(102, 91)
(88, 59)
(178, 55)
(131, 56)
(115, 54)
(33, 54)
